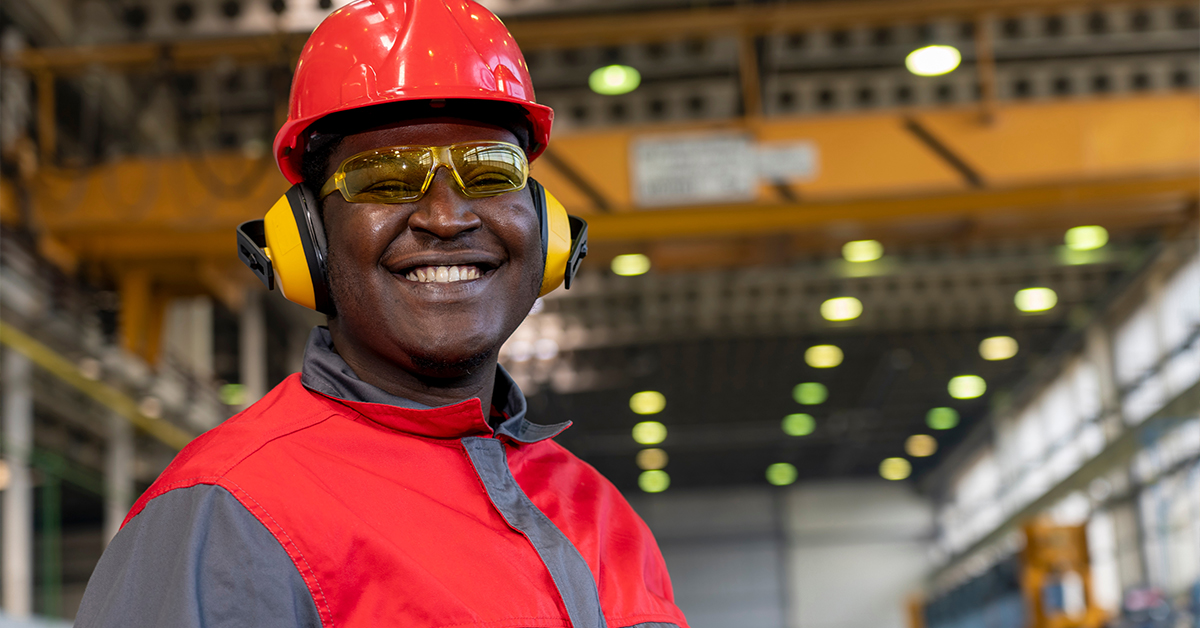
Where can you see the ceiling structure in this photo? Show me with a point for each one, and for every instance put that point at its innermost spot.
(149, 123)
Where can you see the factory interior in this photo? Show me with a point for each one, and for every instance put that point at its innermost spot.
(890, 316)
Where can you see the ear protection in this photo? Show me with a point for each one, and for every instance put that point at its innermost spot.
(287, 247)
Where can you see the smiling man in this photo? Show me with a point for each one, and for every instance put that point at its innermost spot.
(396, 481)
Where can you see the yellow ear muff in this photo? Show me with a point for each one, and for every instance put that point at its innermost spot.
(558, 244)
(291, 240)
(286, 250)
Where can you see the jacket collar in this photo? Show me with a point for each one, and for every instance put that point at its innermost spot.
(325, 372)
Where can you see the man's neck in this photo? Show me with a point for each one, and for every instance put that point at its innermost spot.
(430, 389)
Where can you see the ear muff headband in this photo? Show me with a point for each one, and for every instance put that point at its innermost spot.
(287, 247)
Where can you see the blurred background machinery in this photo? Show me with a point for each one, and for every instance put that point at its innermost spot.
(854, 318)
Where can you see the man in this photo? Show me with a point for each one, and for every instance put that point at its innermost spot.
(376, 488)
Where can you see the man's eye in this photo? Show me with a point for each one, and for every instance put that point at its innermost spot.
(389, 186)
(491, 178)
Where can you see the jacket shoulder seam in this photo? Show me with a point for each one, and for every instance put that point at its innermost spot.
(293, 551)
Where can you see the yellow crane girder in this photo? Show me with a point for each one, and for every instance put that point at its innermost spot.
(165, 225)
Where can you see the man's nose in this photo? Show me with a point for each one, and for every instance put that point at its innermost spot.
(444, 211)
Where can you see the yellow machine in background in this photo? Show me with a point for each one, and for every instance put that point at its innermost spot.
(1046, 585)
(1056, 578)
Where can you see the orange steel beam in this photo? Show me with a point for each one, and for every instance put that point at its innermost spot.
(1179, 191)
(1149, 195)
(875, 154)
(572, 32)
(872, 170)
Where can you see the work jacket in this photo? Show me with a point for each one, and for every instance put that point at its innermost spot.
(332, 503)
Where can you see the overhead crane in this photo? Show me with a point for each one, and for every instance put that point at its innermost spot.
(160, 228)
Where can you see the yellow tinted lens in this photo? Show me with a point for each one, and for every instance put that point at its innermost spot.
(391, 176)
(487, 169)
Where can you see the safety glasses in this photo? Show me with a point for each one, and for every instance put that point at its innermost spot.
(402, 174)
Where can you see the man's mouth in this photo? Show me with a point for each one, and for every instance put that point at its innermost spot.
(444, 274)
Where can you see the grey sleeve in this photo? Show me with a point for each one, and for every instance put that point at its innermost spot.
(196, 557)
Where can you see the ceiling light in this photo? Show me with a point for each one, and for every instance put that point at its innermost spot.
(799, 424)
(1035, 299)
(810, 393)
(649, 433)
(998, 348)
(823, 356)
(967, 387)
(651, 459)
(933, 60)
(647, 402)
(1086, 238)
(895, 469)
(612, 80)
(654, 481)
(920, 445)
(942, 418)
(862, 251)
(630, 264)
(841, 309)
(781, 474)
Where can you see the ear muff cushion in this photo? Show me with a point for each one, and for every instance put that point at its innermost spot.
(296, 245)
(557, 240)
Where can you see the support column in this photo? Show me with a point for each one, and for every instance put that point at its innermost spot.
(118, 471)
(252, 349)
(17, 533)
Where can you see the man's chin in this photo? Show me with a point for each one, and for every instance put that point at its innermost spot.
(441, 366)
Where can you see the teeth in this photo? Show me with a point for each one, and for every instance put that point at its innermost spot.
(442, 274)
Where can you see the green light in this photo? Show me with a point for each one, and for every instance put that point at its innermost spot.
(933, 60)
(799, 424)
(647, 402)
(654, 481)
(781, 474)
(862, 251)
(1035, 299)
(967, 387)
(233, 394)
(649, 433)
(810, 393)
(942, 418)
(630, 264)
(1088, 238)
(612, 80)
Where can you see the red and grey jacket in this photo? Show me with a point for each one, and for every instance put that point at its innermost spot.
(332, 503)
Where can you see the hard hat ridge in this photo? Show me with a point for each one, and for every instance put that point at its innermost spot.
(372, 52)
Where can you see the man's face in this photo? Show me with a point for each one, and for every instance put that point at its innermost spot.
(391, 266)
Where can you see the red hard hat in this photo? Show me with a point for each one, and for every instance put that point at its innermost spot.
(371, 52)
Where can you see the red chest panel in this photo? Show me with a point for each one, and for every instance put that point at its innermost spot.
(388, 527)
